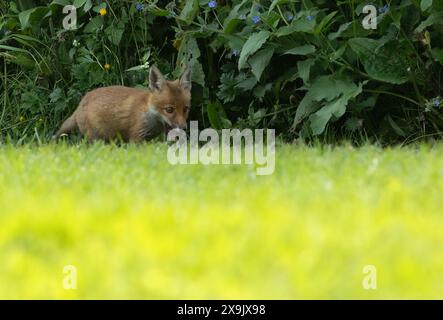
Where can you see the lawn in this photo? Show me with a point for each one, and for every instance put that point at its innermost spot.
(135, 226)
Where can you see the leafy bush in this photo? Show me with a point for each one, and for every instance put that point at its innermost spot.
(306, 68)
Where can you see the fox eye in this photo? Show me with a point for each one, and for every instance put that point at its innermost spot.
(169, 109)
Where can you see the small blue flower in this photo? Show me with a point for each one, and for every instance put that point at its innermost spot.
(309, 18)
(256, 19)
(437, 102)
(212, 4)
(383, 9)
(139, 7)
(290, 17)
(234, 52)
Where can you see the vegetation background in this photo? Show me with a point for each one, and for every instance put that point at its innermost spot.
(306, 68)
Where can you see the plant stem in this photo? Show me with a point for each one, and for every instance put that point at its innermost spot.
(282, 16)
(393, 94)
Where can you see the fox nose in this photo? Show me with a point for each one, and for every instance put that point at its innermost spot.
(182, 126)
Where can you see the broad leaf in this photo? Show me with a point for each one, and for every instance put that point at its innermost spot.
(61, 2)
(302, 24)
(79, 3)
(323, 89)
(304, 69)
(188, 55)
(260, 60)
(232, 20)
(189, 11)
(425, 4)
(254, 43)
(336, 108)
(388, 63)
(434, 18)
(301, 51)
(34, 15)
(276, 3)
(217, 116)
(88, 5)
(325, 22)
(341, 29)
(94, 24)
(115, 32)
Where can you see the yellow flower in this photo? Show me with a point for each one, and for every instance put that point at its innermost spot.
(177, 43)
(107, 66)
(22, 119)
(102, 11)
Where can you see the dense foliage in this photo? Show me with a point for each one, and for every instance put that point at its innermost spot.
(306, 68)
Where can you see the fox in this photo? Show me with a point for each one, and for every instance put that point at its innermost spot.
(130, 114)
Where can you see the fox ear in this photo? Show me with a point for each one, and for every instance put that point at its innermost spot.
(185, 79)
(156, 79)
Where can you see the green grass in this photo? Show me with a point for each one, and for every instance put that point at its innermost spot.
(136, 227)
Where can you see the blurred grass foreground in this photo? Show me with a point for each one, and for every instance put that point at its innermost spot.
(133, 226)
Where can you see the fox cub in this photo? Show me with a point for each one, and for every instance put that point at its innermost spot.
(133, 115)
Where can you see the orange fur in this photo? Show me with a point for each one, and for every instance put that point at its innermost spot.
(132, 114)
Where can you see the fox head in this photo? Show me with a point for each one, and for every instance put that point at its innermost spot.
(171, 99)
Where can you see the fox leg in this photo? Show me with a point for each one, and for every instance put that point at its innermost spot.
(92, 136)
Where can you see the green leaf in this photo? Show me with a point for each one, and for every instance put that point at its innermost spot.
(324, 22)
(60, 2)
(189, 11)
(388, 63)
(115, 32)
(260, 91)
(437, 53)
(188, 54)
(34, 15)
(102, 5)
(302, 50)
(336, 108)
(159, 12)
(434, 18)
(94, 24)
(284, 31)
(341, 29)
(138, 68)
(88, 5)
(198, 76)
(79, 3)
(22, 38)
(425, 4)
(232, 20)
(304, 69)
(396, 127)
(247, 84)
(23, 60)
(323, 88)
(260, 60)
(254, 43)
(276, 3)
(9, 48)
(302, 24)
(56, 95)
(216, 115)
(233, 41)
